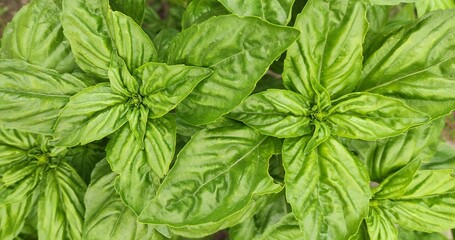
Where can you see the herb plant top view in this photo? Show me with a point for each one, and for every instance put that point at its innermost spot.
(227, 119)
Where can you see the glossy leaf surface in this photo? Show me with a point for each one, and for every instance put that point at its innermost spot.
(332, 56)
(36, 36)
(369, 116)
(13, 218)
(278, 113)
(274, 11)
(201, 10)
(380, 225)
(327, 188)
(133, 8)
(238, 50)
(209, 185)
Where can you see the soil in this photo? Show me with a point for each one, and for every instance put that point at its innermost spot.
(7, 10)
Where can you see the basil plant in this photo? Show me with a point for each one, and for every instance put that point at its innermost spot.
(271, 119)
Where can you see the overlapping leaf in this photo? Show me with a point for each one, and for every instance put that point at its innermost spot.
(201, 10)
(238, 50)
(133, 8)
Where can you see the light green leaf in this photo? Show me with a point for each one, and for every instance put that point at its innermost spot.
(12, 218)
(391, 2)
(386, 156)
(430, 214)
(85, 27)
(200, 10)
(443, 159)
(328, 188)
(19, 182)
(286, 229)
(107, 218)
(429, 183)
(423, 78)
(321, 134)
(142, 168)
(239, 50)
(36, 36)
(84, 158)
(164, 86)
(404, 234)
(131, 42)
(332, 56)
(380, 226)
(133, 8)
(61, 204)
(90, 115)
(274, 209)
(396, 184)
(425, 6)
(122, 82)
(274, 11)
(14, 147)
(278, 113)
(370, 116)
(137, 118)
(207, 185)
(31, 96)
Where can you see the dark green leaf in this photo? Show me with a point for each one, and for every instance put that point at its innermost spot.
(164, 86)
(239, 50)
(107, 218)
(31, 96)
(133, 8)
(142, 168)
(423, 78)
(131, 42)
(84, 158)
(425, 6)
(14, 146)
(332, 56)
(278, 113)
(36, 36)
(327, 188)
(443, 159)
(404, 234)
(391, 2)
(91, 115)
(286, 229)
(19, 182)
(207, 185)
(201, 10)
(370, 116)
(85, 27)
(162, 41)
(274, 11)
(61, 204)
(386, 156)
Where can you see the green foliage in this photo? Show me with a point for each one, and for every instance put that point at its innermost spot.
(272, 119)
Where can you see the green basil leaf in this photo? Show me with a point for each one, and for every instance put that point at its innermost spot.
(201, 10)
(278, 113)
(422, 79)
(12, 218)
(131, 42)
(122, 82)
(321, 134)
(165, 86)
(162, 41)
(61, 204)
(391, 2)
(137, 118)
(142, 168)
(84, 26)
(244, 49)
(14, 146)
(380, 225)
(90, 115)
(36, 36)
(274, 11)
(191, 194)
(425, 6)
(133, 8)
(429, 183)
(106, 216)
(386, 156)
(443, 159)
(84, 158)
(270, 214)
(286, 229)
(430, 214)
(333, 55)
(396, 184)
(32, 96)
(404, 234)
(19, 182)
(327, 178)
(370, 116)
